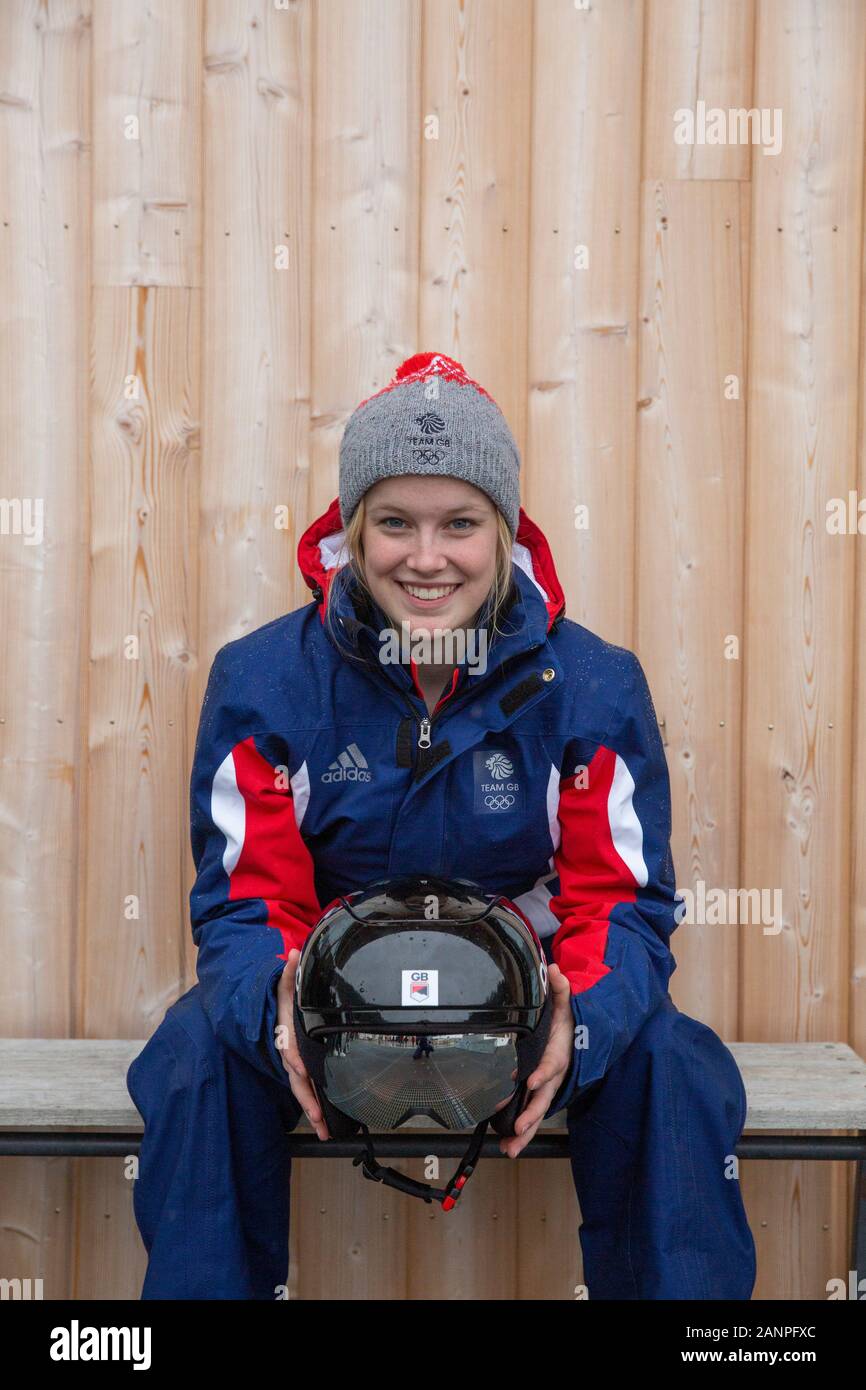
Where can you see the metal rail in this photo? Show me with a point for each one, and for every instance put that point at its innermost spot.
(414, 1144)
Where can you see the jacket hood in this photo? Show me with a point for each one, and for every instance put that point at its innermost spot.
(322, 552)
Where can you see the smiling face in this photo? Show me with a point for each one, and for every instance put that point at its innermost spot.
(429, 550)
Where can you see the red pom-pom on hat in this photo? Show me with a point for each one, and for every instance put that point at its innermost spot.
(421, 366)
(427, 361)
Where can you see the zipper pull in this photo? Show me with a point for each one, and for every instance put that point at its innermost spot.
(424, 736)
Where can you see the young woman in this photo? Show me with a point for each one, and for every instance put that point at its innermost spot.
(526, 756)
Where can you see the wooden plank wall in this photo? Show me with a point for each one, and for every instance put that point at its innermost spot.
(225, 222)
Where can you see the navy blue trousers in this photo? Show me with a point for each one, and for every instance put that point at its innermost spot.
(651, 1147)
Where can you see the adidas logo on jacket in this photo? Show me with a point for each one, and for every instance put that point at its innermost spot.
(348, 766)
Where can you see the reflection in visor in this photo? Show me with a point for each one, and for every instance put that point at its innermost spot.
(383, 1079)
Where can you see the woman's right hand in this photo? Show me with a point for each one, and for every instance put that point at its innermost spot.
(287, 1047)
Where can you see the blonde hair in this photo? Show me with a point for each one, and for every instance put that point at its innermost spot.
(497, 596)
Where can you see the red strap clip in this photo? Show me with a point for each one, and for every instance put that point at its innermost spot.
(451, 1199)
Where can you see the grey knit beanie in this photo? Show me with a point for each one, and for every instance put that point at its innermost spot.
(431, 419)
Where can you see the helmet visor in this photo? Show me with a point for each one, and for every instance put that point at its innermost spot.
(457, 1079)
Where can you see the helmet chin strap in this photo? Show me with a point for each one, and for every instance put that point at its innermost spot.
(426, 1191)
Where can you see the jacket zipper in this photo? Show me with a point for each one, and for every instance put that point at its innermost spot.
(425, 723)
(423, 739)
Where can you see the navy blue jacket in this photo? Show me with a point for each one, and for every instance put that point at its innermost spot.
(545, 780)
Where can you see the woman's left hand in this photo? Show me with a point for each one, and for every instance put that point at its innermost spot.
(552, 1069)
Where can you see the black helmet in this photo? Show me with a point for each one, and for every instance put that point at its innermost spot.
(421, 996)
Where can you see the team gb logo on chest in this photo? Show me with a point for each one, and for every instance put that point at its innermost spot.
(498, 788)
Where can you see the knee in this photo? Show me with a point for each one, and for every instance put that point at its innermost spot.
(686, 1045)
(696, 1059)
(183, 1043)
(666, 1029)
(187, 1017)
(671, 1032)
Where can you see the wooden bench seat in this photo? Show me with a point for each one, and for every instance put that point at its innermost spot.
(77, 1083)
(68, 1096)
